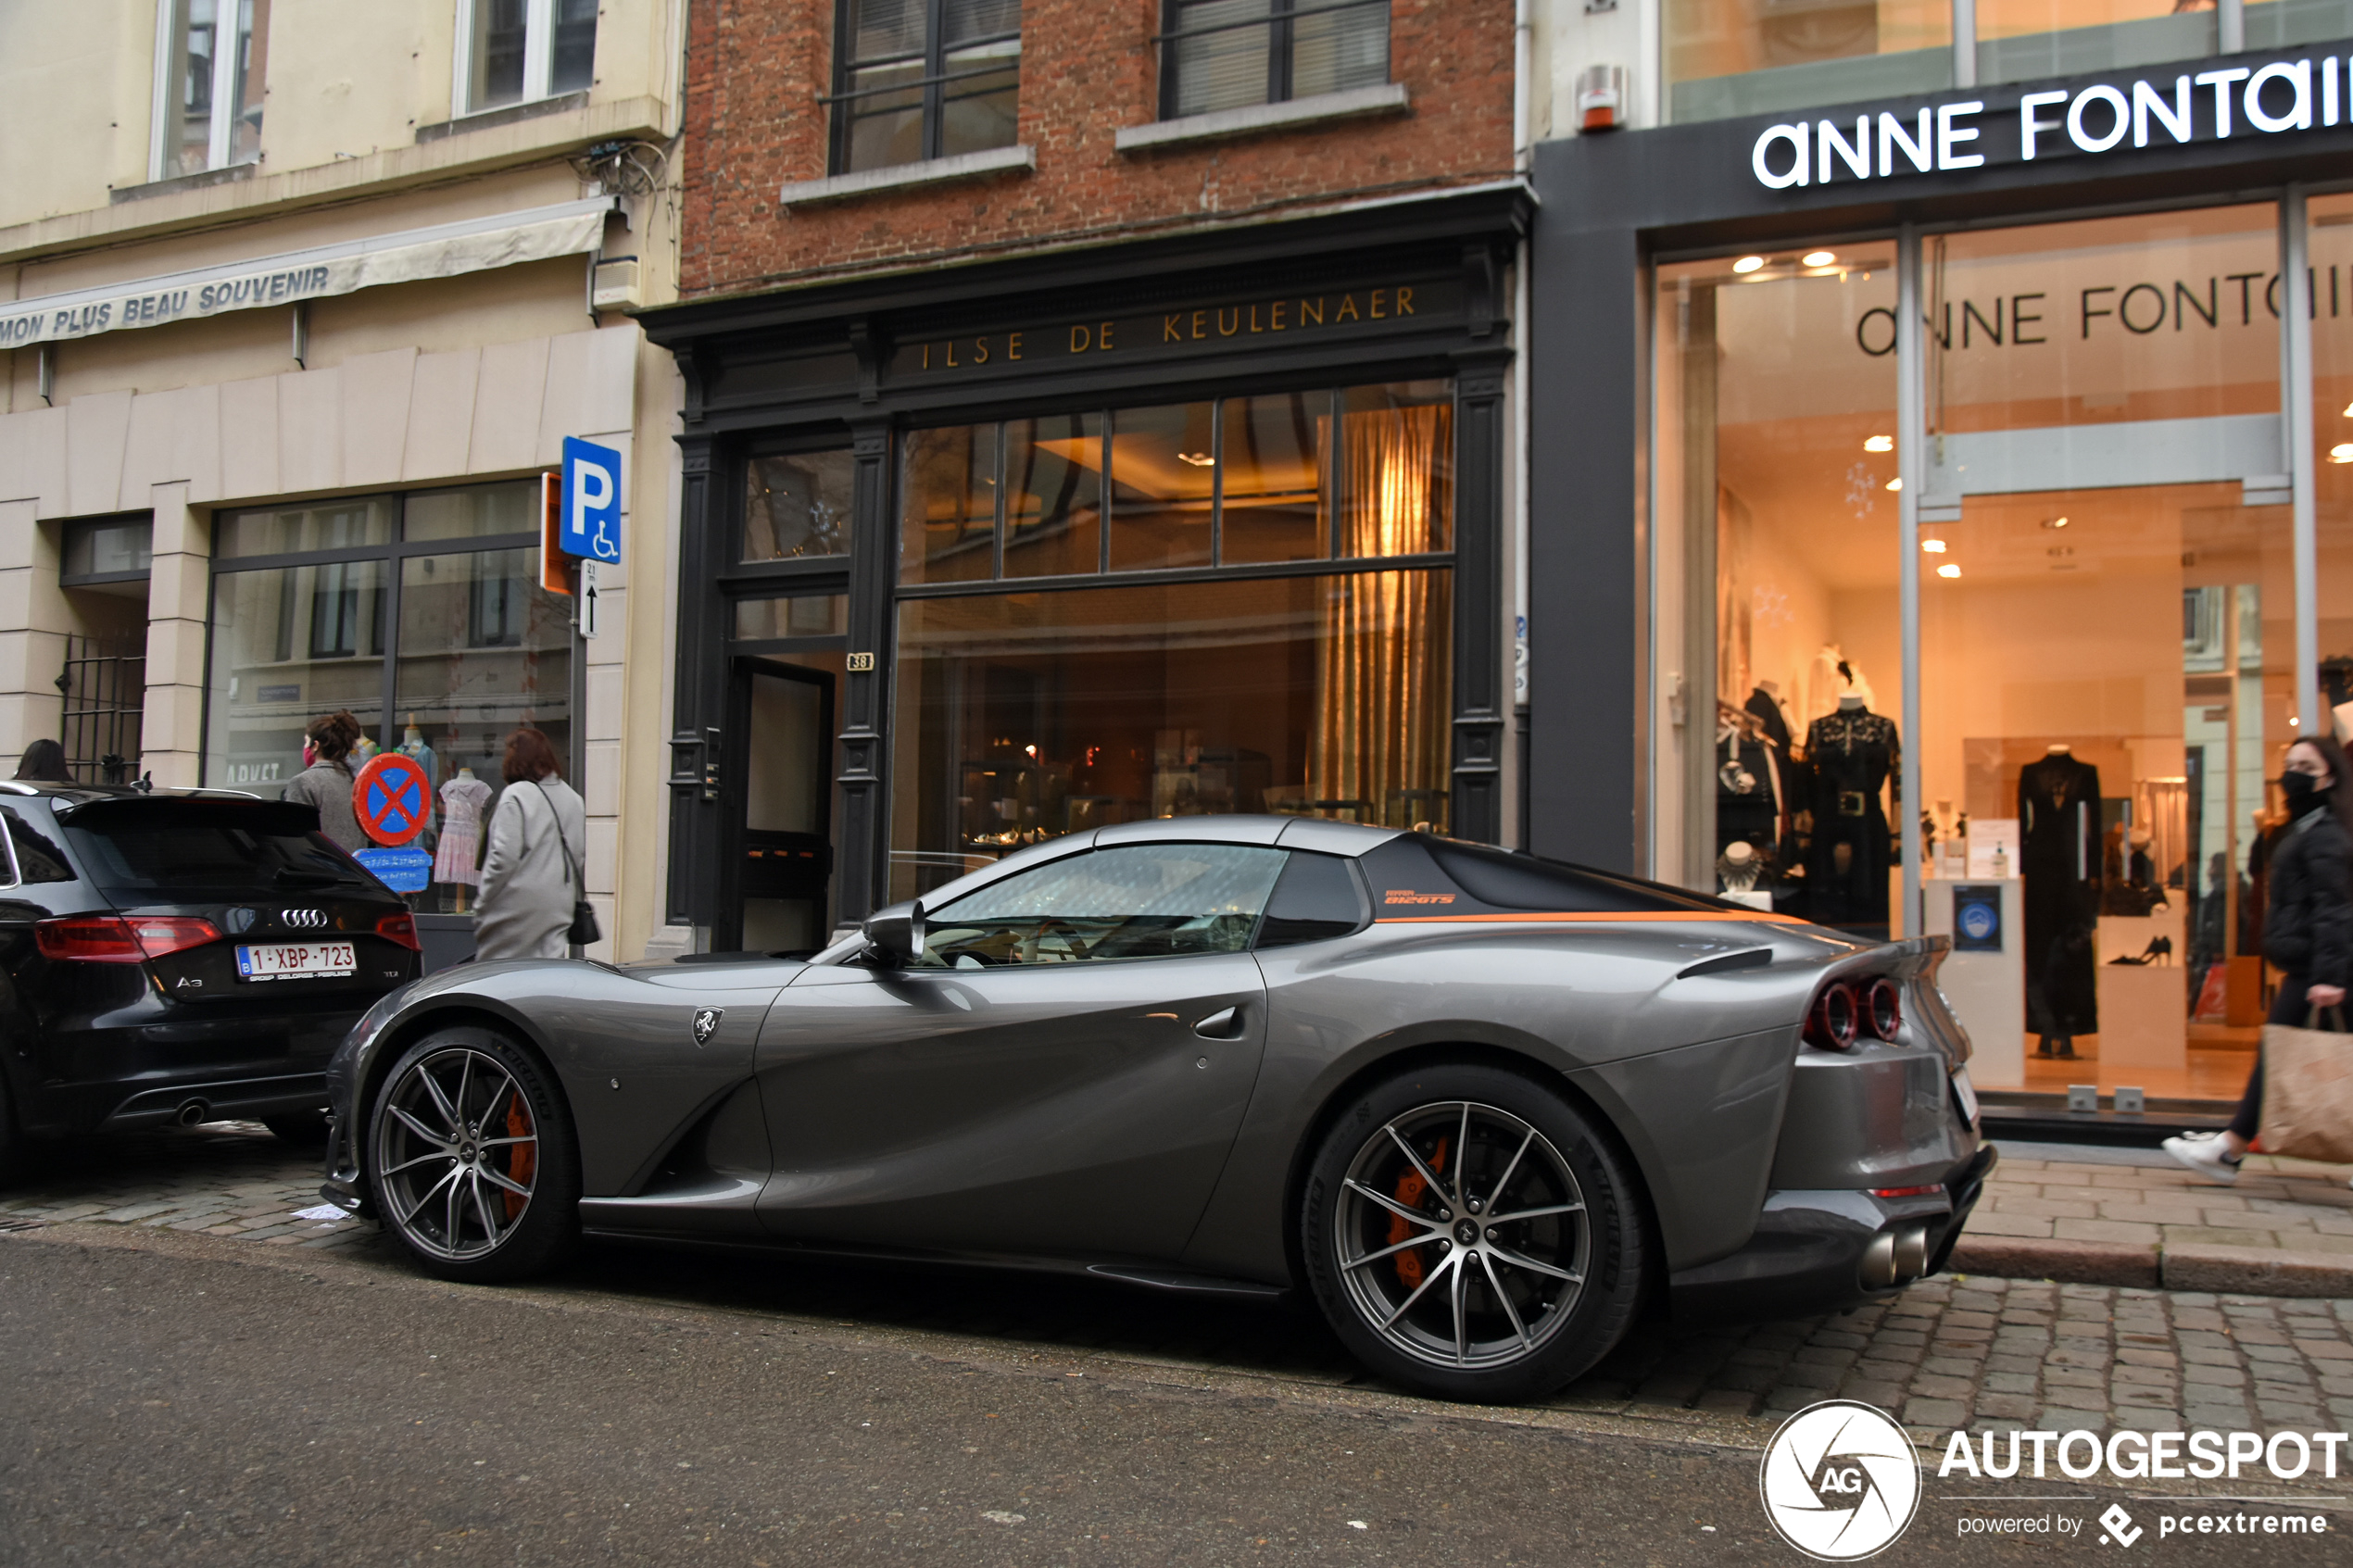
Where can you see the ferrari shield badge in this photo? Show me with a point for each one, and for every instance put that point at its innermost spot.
(707, 1024)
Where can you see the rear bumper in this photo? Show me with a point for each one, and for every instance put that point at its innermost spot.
(231, 1100)
(1821, 1251)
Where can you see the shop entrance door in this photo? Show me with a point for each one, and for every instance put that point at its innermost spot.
(782, 859)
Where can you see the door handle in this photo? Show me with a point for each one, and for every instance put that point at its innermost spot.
(1225, 1025)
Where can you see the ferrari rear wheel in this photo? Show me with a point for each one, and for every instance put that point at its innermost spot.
(1469, 1235)
(473, 1158)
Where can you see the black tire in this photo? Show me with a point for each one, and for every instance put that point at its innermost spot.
(492, 1196)
(1519, 1330)
(302, 1129)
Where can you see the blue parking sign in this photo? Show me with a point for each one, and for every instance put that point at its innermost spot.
(591, 525)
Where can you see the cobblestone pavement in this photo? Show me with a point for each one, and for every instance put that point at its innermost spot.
(1950, 1352)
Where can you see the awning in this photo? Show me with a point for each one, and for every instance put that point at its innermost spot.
(447, 250)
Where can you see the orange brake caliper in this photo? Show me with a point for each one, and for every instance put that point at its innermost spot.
(522, 1159)
(1410, 1187)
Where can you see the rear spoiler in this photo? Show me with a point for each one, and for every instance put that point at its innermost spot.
(193, 808)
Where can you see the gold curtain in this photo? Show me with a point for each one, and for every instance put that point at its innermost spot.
(1384, 677)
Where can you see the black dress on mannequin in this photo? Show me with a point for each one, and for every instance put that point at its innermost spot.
(1852, 754)
(2058, 820)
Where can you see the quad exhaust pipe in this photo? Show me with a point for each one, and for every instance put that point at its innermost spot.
(193, 1112)
(1895, 1257)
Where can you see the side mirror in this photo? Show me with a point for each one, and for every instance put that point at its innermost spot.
(897, 933)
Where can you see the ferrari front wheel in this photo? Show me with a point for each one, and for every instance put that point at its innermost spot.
(473, 1158)
(1469, 1234)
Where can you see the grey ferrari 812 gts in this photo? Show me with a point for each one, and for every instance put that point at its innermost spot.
(1484, 1108)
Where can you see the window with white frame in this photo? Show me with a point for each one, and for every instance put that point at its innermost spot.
(211, 56)
(520, 51)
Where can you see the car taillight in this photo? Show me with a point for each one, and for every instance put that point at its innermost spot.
(1831, 1023)
(1905, 1192)
(400, 928)
(120, 939)
(1883, 1010)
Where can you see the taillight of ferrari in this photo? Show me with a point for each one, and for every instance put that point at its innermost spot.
(118, 939)
(1883, 1010)
(1832, 1022)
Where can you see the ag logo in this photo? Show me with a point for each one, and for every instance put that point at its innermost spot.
(1840, 1481)
(707, 1024)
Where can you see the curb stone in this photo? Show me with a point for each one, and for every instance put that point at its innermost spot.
(2244, 1271)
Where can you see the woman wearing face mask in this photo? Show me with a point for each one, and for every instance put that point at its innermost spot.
(2308, 928)
(326, 777)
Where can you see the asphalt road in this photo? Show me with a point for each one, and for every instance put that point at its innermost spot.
(183, 1400)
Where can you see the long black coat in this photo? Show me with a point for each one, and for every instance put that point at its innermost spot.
(2308, 929)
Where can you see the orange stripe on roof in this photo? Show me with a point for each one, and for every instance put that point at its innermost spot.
(1604, 917)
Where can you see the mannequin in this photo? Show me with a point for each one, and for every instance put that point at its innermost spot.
(1854, 753)
(455, 861)
(2058, 813)
(1748, 784)
(1765, 701)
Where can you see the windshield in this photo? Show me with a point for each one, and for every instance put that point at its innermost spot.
(177, 851)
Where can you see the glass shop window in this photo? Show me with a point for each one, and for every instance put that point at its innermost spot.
(1026, 715)
(422, 615)
(1234, 482)
(1780, 659)
(796, 507)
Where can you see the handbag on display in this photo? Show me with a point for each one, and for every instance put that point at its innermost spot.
(584, 928)
(2308, 1089)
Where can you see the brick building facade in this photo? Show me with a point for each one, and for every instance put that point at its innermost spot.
(1093, 412)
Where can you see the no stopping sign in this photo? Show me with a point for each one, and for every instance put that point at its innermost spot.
(392, 798)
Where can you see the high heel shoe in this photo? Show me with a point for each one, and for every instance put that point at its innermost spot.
(2159, 948)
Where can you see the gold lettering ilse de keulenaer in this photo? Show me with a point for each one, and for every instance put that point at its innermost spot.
(1182, 326)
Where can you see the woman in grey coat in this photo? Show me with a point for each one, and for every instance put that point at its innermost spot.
(325, 780)
(530, 873)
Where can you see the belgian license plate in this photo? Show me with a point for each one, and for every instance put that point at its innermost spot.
(1967, 1095)
(297, 961)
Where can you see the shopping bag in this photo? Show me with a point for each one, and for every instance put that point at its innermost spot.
(2308, 1089)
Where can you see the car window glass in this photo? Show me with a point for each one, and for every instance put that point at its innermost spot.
(38, 857)
(1316, 899)
(1132, 901)
(172, 851)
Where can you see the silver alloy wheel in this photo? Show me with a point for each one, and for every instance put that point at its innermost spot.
(457, 1154)
(1463, 1236)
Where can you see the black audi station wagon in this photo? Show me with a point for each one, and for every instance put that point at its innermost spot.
(179, 956)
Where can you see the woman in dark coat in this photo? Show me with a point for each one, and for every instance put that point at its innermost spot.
(2308, 928)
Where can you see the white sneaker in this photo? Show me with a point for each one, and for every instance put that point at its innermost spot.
(2206, 1154)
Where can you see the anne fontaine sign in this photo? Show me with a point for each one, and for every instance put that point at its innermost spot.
(2220, 103)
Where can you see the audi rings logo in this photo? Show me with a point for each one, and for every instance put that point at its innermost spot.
(1840, 1481)
(304, 920)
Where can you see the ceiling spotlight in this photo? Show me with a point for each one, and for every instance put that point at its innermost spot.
(1948, 569)
(1198, 460)
(1895, 484)
(1819, 257)
(2055, 522)
(1747, 264)
(1880, 444)
(1933, 546)
(2349, 410)
(2342, 452)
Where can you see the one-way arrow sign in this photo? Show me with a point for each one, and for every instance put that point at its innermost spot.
(590, 596)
